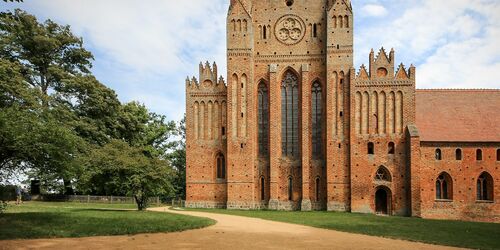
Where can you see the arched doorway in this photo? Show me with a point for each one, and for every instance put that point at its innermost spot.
(383, 201)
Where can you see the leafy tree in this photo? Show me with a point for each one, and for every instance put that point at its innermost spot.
(178, 160)
(46, 52)
(118, 168)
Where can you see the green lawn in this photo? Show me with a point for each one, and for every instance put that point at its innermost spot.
(451, 233)
(65, 219)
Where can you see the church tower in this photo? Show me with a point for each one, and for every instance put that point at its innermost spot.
(282, 135)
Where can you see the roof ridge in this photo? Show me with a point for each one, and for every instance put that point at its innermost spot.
(458, 90)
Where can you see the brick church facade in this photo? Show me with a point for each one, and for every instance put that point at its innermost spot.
(296, 127)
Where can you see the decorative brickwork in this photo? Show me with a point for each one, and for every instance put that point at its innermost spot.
(296, 127)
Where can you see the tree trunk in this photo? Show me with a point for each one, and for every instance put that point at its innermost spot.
(68, 189)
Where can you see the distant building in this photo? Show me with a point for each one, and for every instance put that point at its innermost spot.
(298, 128)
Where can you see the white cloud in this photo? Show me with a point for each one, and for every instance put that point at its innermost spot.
(375, 10)
(454, 43)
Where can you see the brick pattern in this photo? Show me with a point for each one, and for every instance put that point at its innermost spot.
(377, 105)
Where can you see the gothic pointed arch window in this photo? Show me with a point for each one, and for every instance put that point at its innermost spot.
(290, 115)
(290, 188)
(317, 189)
(317, 119)
(262, 188)
(221, 166)
(263, 119)
(383, 174)
(485, 187)
(444, 187)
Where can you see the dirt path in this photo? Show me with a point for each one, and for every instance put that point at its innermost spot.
(230, 232)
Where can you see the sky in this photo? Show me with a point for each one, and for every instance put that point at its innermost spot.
(144, 50)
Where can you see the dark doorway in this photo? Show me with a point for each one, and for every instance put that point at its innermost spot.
(382, 201)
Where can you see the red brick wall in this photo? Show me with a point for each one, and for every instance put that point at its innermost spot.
(464, 173)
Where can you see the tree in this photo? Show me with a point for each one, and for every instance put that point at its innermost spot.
(46, 52)
(178, 160)
(118, 168)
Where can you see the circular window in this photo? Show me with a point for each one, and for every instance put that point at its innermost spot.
(289, 3)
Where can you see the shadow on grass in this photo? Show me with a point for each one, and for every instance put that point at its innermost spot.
(83, 222)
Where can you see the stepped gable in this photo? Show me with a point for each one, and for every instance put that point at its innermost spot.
(458, 115)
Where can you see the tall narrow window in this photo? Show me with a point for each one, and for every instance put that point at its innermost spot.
(317, 189)
(290, 188)
(371, 148)
(479, 155)
(221, 166)
(485, 187)
(264, 32)
(263, 121)
(458, 154)
(391, 148)
(498, 154)
(290, 115)
(444, 187)
(262, 189)
(315, 30)
(438, 154)
(316, 112)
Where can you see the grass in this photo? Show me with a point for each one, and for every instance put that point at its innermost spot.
(65, 219)
(450, 233)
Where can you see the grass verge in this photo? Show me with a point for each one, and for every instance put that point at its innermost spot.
(54, 220)
(475, 235)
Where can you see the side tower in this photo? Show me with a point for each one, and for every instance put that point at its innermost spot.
(383, 105)
(241, 160)
(206, 150)
(340, 75)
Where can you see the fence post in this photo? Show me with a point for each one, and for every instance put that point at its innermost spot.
(111, 199)
(88, 198)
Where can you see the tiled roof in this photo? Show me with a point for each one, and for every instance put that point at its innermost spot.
(450, 115)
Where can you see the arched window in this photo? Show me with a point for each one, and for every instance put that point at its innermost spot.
(315, 30)
(262, 189)
(341, 22)
(334, 21)
(346, 21)
(316, 112)
(458, 154)
(290, 115)
(479, 155)
(221, 166)
(290, 188)
(383, 174)
(498, 154)
(391, 148)
(438, 154)
(263, 117)
(371, 148)
(264, 32)
(485, 187)
(444, 187)
(317, 189)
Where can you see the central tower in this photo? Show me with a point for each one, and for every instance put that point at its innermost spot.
(289, 70)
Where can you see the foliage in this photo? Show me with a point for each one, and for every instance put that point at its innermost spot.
(178, 160)
(54, 220)
(117, 168)
(3, 206)
(57, 119)
(475, 235)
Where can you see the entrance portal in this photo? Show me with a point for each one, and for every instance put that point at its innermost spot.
(382, 201)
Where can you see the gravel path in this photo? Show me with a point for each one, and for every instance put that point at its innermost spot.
(230, 232)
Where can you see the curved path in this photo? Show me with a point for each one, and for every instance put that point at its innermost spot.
(230, 232)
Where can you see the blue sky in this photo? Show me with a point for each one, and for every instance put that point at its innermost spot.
(145, 49)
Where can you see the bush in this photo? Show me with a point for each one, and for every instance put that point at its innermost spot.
(3, 206)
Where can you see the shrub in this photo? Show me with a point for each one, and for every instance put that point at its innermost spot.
(3, 206)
